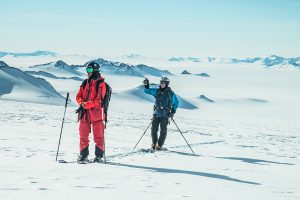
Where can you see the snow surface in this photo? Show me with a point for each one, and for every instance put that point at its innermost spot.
(246, 142)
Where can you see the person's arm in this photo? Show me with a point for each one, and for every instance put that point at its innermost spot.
(79, 96)
(175, 102)
(96, 102)
(151, 91)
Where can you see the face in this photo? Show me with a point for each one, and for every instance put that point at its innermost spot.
(89, 71)
(162, 84)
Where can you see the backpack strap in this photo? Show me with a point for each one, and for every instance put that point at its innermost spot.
(83, 84)
(102, 99)
(97, 89)
(170, 94)
(157, 92)
(98, 84)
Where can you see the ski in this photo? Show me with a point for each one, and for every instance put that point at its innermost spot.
(145, 150)
(153, 150)
(81, 162)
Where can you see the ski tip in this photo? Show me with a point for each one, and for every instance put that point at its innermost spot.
(62, 161)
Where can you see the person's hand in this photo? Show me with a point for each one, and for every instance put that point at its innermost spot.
(173, 111)
(146, 83)
(80, 109)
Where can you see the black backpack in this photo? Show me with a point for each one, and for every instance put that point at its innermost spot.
(106, 99)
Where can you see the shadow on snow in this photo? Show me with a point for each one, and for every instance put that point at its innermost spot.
(179, 171)
(254, 161)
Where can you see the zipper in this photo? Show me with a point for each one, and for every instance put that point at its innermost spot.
(88, 96)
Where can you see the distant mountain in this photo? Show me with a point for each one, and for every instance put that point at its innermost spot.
(271, 61)
(176, 59)
(58, 68)
(203, 75)
(246, 60)
(18, 86)
(294, 61)
(180, 59)
(140, 70)
(36, 53)
(133, 56)
(185, 72)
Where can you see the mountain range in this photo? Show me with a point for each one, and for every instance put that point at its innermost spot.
(36, 53)
(139, 70)
(269, 61)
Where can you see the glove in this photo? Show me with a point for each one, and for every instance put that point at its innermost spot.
(146, 83)
(173, 111)
(81, 111)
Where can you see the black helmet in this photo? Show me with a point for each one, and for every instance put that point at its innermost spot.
(93, 65)
(165, 79)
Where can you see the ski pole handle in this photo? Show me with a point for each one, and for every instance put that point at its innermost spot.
(67, 99)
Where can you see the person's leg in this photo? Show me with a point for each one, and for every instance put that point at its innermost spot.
(163, 131)
(154, 129)
(98, 131)
(84, 130)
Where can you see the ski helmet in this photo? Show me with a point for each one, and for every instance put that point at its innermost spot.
(165, 80)
(92, 65)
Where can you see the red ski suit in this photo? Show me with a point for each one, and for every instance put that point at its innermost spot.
(95, 113)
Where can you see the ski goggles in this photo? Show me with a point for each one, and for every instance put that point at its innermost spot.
(163, 82)
(89, 70)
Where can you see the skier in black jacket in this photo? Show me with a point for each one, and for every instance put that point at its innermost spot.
(165, 106)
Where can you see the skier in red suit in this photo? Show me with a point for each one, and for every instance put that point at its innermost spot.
(91, 113)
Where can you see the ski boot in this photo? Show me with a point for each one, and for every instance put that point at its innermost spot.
(158, 148)
(98, 160)
(82, 159)
(153, 147)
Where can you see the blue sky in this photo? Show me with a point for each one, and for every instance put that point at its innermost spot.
(152, 27)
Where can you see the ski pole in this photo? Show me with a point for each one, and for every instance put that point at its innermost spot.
(143, 134)
(104, 156)
(62, 125)
(182, 135)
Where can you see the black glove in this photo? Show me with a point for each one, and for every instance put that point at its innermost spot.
(173, 111)
(146, 83)
(81, 112)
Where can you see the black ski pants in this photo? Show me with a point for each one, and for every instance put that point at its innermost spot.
(163, 123)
